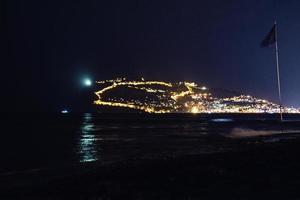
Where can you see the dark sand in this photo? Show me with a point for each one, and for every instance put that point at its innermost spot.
(269, 171)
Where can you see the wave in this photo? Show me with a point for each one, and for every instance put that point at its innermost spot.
(246, 132)
(222, 120)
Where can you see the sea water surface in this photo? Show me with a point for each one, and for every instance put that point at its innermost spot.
(38, 141)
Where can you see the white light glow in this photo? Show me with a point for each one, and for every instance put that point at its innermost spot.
(65, 111)
(87, 82)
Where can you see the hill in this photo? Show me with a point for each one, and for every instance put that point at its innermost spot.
(178, 97)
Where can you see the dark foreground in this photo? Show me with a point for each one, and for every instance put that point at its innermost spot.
(149, 157)
(264, 172)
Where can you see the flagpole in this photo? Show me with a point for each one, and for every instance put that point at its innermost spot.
(278, 72)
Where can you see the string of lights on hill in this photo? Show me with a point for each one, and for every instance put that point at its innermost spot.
(180, 97)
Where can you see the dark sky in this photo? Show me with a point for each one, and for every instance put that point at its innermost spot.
(50, 45)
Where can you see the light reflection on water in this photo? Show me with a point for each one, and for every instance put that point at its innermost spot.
(87, 147)
(115, 139)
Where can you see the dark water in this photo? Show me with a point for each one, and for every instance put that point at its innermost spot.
(36, 141)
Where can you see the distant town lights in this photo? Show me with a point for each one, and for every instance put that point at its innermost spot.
(195, 109)
(181, 97)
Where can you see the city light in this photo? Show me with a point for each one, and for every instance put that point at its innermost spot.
(182, 97)
(194, 109)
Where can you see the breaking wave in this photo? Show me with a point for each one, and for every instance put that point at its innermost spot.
(221, 120)
(245, 132)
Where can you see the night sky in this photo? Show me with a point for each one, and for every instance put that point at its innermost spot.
(49, 46)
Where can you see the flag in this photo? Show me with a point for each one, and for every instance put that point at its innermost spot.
(270, 39)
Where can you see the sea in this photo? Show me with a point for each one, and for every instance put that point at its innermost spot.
(36, 141)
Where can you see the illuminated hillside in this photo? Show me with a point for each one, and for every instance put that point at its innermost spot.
(183, 97)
